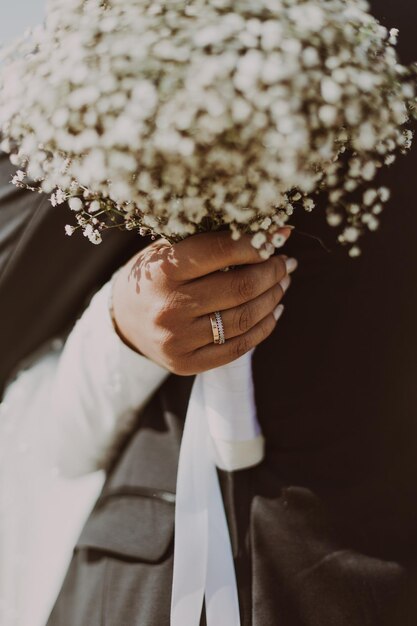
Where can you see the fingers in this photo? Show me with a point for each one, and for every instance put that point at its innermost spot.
(209, 252)
(226, 290)
(214, 355)
(241, 319)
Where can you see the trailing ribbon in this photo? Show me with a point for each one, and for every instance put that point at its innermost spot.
(220, 428)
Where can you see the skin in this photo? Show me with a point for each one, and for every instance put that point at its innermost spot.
(163, 296)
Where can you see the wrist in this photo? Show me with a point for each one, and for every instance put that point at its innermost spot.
(116, 326)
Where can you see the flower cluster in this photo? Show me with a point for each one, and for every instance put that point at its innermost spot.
(174, 117)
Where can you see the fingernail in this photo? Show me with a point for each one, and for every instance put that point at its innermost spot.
(291, 264)
(277, 312)
(285, 283)
(285, 231)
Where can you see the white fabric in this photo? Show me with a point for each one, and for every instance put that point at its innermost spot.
(238, 455)
(222, 404)
(41, 514)
(63, 413)
(99, 387)
(62, 419)
(203, 560)
(231, 413)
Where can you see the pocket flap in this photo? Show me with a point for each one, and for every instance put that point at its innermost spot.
(132, 526)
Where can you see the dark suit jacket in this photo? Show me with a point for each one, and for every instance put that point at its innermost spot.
(325, 530)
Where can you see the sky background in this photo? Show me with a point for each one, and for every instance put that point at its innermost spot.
(17, 15)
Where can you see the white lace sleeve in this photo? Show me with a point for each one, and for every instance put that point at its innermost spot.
(98, 389)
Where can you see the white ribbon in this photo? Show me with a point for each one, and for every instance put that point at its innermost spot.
(220, 428)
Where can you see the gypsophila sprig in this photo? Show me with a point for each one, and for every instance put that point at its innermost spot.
(173, 117)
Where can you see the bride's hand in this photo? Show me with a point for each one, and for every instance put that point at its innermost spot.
(164, 295)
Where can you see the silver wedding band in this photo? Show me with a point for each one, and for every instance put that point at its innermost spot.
(217, 328)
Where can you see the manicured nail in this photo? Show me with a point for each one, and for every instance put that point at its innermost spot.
(285, 283)
(278, 312)
(291, 264)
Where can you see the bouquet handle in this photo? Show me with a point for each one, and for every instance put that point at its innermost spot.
(230, 408)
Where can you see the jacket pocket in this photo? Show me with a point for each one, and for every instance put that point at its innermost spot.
(132, 524)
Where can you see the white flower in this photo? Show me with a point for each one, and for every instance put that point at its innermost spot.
(20, 175)
(309, 204)
(59, 197)
(266, 223)
(267, 251)
(212, 111)
(328, 114)
(69, 230)
(94, 206)
(354, 209)
(369, 170)
(60, 117)
(393, 36)
(308, 15)
(241, 110)
(351, 234)
(384, 194)
(272, 34)
(373, 223)
(258, 240)
(370, 196)
(390, 159)
(330, 90)
(366, 137)
(334, 219)
(248, 70)
(75, 204)
(350, 185)
(278, 240)
(146, 95)
(95, 237)
(354, 251)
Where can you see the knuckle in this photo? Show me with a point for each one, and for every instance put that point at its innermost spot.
(244, 319)
(275, 266)
(281, 291)
(221, 245)
(276, 295)
(245, 287)
(239, 347)
(280, 268)
(170, 270)
(267, 327)
(169, 344)
(187, 365)
(176, 299)
(179, 369)
(167, 315)
(164, 317)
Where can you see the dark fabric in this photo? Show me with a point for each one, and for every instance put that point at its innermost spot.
(324, 531)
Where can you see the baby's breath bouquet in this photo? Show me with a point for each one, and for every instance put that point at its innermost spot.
(174, 117)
